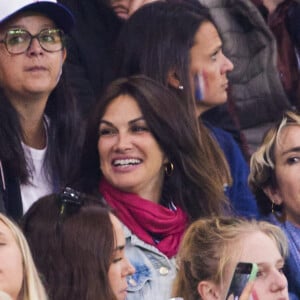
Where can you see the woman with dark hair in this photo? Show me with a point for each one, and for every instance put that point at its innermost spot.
(39, 127)
(182, 50)
(144, 154)
(78, 247)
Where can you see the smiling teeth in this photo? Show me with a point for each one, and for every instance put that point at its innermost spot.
(126, 162)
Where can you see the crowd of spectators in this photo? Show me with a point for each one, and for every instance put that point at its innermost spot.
(147, 147)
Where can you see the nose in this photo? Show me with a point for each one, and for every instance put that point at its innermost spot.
(35, 47)
(128, 269)
(279, 282)
(227, 65)
(123, 142)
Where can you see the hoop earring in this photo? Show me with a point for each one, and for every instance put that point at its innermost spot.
(180, 87)
(169, 168)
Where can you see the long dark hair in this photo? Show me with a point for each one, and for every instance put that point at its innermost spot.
(161, 45)
(72, 249)
(64, 138)
(175, 128)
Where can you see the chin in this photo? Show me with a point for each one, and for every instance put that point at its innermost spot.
(124, 186)
(221, 100)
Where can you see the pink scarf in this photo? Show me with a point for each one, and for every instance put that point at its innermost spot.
(153, 223)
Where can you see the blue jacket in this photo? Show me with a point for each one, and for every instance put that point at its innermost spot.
(239, 194)
(154, 272)
(292, 267)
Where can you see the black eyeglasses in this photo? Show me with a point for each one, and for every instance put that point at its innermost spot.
(18, 40)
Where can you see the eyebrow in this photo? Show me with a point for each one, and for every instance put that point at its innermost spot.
(217, 48)
(220, 46)
(119, 248)
(24, 27)
(15, 26)
(294, 149)
(264, 264)
(130, 122)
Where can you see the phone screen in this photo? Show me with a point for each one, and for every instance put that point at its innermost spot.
(242, 274)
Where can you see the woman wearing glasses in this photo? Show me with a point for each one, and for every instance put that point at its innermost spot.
(38, 118)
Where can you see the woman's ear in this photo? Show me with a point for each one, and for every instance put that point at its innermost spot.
(64, 54)
(208, 290)
(173, 79)
(273, 194)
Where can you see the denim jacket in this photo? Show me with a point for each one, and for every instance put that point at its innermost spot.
(154, 274)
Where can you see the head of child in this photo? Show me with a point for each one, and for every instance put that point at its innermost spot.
(211, 249)
(75, 238)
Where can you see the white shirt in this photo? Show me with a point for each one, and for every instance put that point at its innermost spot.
(39, 185)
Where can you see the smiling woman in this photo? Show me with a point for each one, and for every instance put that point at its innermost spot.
(38, 145)
(274, 178)
(122, 126)
(143, 154)
(182, 50)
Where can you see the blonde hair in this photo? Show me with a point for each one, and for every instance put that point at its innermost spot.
(208, 246)
(32, 285)
(262, 163)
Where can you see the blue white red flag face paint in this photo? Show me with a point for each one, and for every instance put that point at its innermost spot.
(199, 87)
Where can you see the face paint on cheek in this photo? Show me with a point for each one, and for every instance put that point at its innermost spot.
(199, 87)
(254, 295)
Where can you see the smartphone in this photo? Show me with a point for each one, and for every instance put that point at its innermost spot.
(243, 273)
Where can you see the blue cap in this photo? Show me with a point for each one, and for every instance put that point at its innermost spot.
(57, 12)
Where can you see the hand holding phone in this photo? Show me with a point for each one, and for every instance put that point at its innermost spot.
(247, 292)
(244, 272)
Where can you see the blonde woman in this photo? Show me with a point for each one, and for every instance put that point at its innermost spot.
(18, 275)
(211, 248)
(274, 179)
